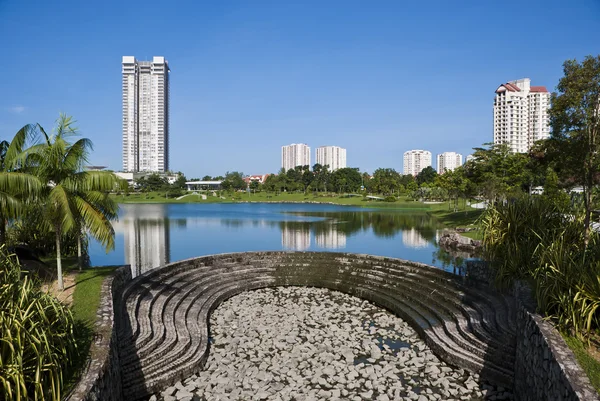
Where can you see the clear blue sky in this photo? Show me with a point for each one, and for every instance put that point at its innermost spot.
(375, 77)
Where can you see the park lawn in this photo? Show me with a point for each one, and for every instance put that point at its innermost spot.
(588, 363)
(86, 297)
(86, 300)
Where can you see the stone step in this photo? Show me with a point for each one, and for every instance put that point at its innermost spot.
(167, 310)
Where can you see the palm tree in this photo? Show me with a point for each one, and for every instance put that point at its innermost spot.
(16, 185)
(74, 199)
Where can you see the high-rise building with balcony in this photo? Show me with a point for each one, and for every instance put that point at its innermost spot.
(145, 114)
(521, 114)
(296, 154)
(415, 161)
(333, 156)
(448, 161)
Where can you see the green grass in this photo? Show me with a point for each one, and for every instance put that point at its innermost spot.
(590, 365)
(86, 300)
(86, 297)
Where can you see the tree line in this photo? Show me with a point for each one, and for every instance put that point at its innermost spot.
(48, 201)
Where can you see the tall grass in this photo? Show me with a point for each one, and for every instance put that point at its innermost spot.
(37, 341)
(533, 239)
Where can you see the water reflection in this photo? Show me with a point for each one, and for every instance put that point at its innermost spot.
(295, 235)
(151, 235)
(413, 238)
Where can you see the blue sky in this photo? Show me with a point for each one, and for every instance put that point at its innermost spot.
(376, 77)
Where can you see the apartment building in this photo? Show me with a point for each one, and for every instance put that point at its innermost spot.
(415, 161)
(145, 114)
(521, 114)
(333, 156)
(296, 154)
(448, 161)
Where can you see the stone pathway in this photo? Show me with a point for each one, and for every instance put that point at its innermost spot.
(295, 343)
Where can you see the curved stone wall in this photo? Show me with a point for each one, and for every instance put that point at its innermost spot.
(163, 333)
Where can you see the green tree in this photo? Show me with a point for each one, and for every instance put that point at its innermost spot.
(497, 172)
(179, 182)
(454, 182)
(254, 186)
(385, 181)
(234, 180)
(345, 179)
(207, 178)
(17, 187)
(73, 199)
(575, 120)
(426, 176)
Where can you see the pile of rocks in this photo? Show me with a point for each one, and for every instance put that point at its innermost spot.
(295, 343)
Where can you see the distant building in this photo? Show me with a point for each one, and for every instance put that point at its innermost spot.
(333, 156)
(145, 114)
(296, 154)
(259, 178)
(448, 161)
(415, 161)
(521, 114)
(469, 158)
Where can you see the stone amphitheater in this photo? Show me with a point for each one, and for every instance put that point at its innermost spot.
(161, 334)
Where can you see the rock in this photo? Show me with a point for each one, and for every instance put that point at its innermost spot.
(301, 343)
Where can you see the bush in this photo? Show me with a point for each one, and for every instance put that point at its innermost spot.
(541, 241)
(37, 340)
(390, 198)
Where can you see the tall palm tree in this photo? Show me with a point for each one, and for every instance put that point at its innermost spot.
(16, 185)
(74, 199)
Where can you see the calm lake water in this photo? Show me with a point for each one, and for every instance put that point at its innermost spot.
(150, 235)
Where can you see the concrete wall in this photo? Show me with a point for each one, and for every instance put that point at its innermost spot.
(101, 379)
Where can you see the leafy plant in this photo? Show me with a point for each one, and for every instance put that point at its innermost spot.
(37, 340)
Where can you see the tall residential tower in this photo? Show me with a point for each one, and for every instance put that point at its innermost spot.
(296, 154)
(415, 161)
(145, 114)
(333, 156)
(448, 161)
(521, 114)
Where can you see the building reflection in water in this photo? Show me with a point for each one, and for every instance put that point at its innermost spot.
(295, 235)
(412, 238)
(329, 236)
(146, 236)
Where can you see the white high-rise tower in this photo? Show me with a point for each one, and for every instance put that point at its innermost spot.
(521, 114)
(415, 161)
(333, 156)
(448, 161)
(296, 154)
(145, 114)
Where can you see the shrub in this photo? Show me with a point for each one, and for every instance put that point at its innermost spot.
(390, 198)
(542, 241)
(37, 341)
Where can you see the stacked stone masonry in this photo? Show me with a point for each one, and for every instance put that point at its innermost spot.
(101, 379)
(545, 367)
(162, 318)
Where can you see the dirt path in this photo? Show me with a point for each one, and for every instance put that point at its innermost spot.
(65, 296)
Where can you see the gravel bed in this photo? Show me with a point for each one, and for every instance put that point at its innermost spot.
(298, 343)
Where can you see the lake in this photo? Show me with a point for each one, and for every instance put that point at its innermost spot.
(150, 235)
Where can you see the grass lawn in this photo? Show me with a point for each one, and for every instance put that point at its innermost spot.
(589, 364)
(86, 299)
